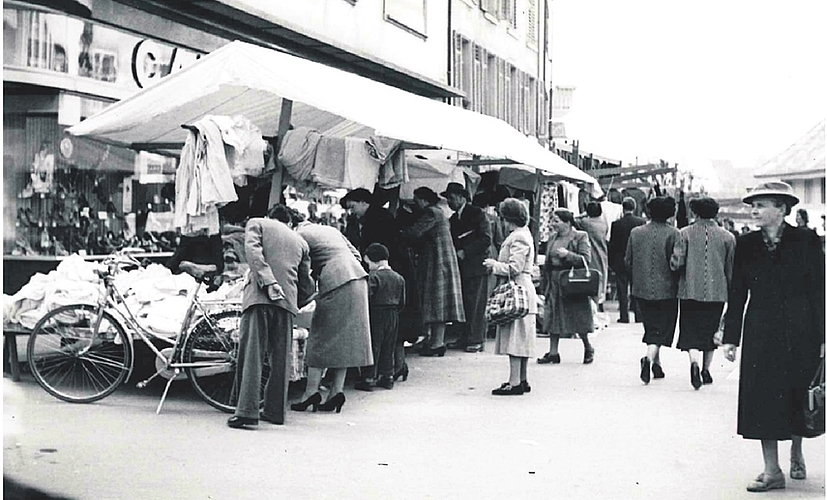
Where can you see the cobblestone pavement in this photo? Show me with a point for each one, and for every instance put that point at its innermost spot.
(585, 431)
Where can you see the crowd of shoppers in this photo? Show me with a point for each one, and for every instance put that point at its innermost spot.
(762, 291)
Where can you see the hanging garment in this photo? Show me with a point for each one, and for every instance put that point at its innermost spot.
(518, 179)
(361, 169)
(329, 164)
(244, 146)
(298, 152)
(216, 180)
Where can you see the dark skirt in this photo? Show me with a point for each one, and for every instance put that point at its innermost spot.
(699, 321)
(659, 320)
(566, 316)
(340, 330)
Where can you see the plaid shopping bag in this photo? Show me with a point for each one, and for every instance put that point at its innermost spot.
(507, 302)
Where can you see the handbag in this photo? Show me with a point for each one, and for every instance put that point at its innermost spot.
(580, 282)
(507, 302)
(814, 406)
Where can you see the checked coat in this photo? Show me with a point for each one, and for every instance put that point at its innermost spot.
(437, 272)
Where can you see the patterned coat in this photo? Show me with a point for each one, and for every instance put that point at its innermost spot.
(703, 255)
(782, 329)
(437, 272)
(647, 261)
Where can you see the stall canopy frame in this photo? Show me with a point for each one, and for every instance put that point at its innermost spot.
(256, 82)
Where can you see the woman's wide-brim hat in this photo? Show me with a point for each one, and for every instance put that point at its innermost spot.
(773, 188)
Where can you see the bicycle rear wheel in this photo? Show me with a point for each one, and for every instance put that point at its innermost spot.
(213, 343)
(73, 360)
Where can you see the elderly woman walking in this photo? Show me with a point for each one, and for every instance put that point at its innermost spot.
(567, 247)
(703, 256)
(437, 271)
(781, 269)
(516, 339)
(654, 284)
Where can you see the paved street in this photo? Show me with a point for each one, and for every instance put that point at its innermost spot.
(585, 431)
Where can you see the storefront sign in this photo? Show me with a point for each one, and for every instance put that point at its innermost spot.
(151, 62)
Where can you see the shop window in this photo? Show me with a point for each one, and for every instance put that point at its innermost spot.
(104, 66)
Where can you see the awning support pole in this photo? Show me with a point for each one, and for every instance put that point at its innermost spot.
(278, 175)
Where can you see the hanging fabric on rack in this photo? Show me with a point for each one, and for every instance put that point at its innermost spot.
(244, 146)
(518, 179)
(203, 181)
(329, 164)
(548, 204)
(298, 152)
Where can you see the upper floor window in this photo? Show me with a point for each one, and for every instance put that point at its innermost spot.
(408, 14)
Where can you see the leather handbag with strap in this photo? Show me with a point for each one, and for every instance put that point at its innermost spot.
(580, 282)
(814, 405)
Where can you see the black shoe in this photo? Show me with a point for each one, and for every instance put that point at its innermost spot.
(363, 385)
(657, 371)
(526, 387)
(644, 369)
(401, 373)
(706, 378)
(334, 403)
(313, 401)
(507, 390)
(621, 320)
(695, 376)
(588, 356)
(549, 358)
(457, 345)
(431, 352)
(474, 348)
(241, 422)
(385, 382)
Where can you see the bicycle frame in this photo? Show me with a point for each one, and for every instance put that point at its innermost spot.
(114, 302)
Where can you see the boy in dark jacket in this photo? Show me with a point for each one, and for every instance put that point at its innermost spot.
(386, 294)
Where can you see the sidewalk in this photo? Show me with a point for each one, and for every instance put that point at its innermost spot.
(585, 431)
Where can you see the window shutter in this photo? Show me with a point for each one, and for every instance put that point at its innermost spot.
(531, 29)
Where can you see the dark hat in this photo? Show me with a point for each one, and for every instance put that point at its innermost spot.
(454, 188)
(358, 194)
(772, 188)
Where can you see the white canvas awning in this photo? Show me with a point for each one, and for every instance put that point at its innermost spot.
(252, 81)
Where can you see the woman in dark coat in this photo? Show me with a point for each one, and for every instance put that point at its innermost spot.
(437, 271)
(566, 247)
(781, 269)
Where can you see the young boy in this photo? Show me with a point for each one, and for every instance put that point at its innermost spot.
(387, 297)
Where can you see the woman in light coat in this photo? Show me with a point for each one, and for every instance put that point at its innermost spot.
(516, 339)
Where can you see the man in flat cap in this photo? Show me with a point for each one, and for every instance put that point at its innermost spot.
(471, 235)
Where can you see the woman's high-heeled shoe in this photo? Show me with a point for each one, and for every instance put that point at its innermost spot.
(313, 401)
(334, 403)
(403, 373)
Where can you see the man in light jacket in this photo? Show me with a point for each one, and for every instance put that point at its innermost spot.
(278, 285)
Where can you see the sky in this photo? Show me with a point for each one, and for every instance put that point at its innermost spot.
(690, 82)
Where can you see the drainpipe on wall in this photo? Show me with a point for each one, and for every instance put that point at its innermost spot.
(450, 50)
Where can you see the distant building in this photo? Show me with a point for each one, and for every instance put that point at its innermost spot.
(802, 166)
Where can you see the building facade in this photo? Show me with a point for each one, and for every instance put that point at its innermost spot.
(65, 60)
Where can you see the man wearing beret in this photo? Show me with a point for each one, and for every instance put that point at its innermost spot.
(471, 234)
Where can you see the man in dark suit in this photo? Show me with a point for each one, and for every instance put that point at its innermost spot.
(471, 234)
(619, 235)
(278, 285)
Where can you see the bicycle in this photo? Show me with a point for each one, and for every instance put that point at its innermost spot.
(81, 353)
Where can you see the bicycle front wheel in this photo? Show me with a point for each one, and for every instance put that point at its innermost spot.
(79, 354)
